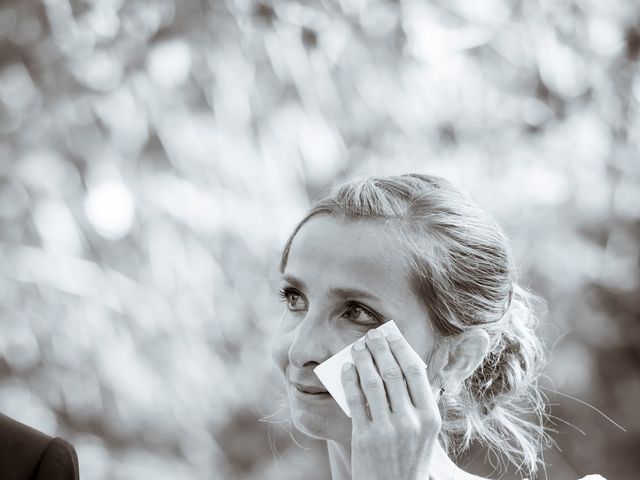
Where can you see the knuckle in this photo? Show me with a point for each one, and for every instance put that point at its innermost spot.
(391, 374)
(364, 440)
(431, 420)
(385, 430)
(355, 400)
(415, 370)
(371, 384)
(409, 424)
(378, 345)
(348, 374)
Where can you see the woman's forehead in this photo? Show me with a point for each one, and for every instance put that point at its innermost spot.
(345, 239)
(362, 251)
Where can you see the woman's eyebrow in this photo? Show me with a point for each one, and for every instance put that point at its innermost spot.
(334, 292)
(293, 281)
(351, 292)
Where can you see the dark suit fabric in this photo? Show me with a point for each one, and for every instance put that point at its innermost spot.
(27, 454)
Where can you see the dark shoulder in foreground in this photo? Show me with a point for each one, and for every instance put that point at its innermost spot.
(28, 454)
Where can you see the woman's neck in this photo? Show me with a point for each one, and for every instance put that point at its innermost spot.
(442, 467)
(339, 460)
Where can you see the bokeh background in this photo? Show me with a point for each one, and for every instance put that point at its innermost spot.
(155, 154)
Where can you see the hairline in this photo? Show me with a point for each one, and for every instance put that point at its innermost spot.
(405, 236)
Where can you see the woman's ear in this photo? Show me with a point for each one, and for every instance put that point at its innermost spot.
(466, 353)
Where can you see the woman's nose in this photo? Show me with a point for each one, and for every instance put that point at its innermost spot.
(310, 345)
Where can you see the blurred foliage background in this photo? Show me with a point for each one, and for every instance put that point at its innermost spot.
(154, 154)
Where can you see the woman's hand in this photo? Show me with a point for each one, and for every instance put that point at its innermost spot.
(396, 439)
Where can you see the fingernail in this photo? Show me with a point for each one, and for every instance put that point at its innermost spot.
(373, 333)
(359, 346)
(347, 366)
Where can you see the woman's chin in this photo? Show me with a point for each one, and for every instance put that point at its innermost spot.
(322, 427)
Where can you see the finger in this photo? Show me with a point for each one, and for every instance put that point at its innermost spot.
(413, 370)
(389, 371)
(370, 382)
(354, 397)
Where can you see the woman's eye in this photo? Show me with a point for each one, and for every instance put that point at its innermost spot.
(354, 312)
(292, 299)
(358, 314)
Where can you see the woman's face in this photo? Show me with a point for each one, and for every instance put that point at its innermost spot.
(341, 279)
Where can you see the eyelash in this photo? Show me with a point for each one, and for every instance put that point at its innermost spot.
(285, 292)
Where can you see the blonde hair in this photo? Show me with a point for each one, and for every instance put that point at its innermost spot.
(463, 269)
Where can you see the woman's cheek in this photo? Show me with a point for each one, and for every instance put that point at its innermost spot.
(280, 344)
(347, 332)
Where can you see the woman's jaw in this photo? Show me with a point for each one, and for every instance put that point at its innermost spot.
(318, 415)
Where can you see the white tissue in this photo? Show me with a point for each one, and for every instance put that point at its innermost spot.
(330, 371)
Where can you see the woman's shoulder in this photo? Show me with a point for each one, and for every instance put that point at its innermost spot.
(458, 474)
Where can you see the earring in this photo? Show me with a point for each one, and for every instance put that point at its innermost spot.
(442, 390)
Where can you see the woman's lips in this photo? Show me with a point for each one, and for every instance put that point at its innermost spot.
(310, 389)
